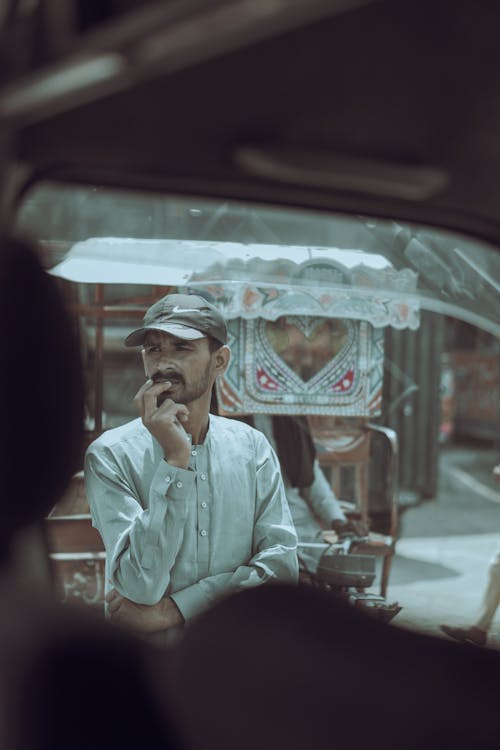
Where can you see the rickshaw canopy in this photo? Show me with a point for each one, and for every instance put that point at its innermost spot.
(256, 280)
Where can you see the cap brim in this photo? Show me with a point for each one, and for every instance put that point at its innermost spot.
(136, 338)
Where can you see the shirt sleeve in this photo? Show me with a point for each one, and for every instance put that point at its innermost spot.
(321, 498)
(274, 543)
(141, 543)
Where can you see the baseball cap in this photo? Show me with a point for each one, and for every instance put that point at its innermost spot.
(186, 316)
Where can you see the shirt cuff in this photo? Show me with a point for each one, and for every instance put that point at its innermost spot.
(173, 480)
(190, 601)
(170, 484)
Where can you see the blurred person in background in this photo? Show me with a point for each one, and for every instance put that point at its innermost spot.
(477, 633)
(316, 511)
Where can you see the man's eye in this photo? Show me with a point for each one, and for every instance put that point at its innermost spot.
(182, 346)
(152, 349)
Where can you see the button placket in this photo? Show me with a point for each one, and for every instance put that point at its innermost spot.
(203, 512)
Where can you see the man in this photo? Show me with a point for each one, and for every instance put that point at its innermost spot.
(316, 512)
(190, 507)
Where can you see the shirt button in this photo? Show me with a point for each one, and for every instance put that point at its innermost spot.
(203, 476)
(193, 453)
(178, 484)
(168, 479)
(203, 532)
(204, 504)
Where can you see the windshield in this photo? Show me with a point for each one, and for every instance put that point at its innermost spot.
(377, 340)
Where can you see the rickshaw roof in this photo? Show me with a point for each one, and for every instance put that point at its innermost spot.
(255, 279)
(120, 260)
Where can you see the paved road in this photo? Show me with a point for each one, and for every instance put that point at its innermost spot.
(439, 572)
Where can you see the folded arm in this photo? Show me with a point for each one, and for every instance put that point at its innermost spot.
(274, 555)
(274, 547)
(141, 543)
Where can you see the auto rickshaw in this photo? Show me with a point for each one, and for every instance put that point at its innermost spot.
(306, 329)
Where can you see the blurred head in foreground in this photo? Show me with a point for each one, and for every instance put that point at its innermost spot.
(296, 667)
(55, 661)
(41, 392)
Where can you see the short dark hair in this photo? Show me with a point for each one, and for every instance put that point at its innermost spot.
(213, 344)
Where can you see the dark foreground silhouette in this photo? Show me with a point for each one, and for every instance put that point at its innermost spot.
(66, 679)
(295, 668)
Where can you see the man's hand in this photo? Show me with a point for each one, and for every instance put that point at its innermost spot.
(350, 527)
(165, 422)
(143, 618)
(330, 536)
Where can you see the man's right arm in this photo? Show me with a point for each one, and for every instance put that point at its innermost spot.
(321, 498)
(141, 543)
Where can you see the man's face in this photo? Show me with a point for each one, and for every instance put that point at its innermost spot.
(188, 365)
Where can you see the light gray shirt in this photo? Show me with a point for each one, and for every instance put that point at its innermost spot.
(195, 534)
(307, 505)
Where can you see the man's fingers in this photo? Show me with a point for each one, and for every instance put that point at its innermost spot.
(115, 605)
(139, 396)
(166, 408)
(330, 536)
(150, 398)
(171, 407)
(114, 601)
(112, 594)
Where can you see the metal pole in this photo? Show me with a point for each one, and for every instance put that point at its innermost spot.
(99, 358)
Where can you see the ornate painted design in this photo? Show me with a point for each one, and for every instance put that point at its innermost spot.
(303, 365)
(307, 338)
(391, 302)
(80, 577)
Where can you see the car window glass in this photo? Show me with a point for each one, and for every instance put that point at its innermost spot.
(350, 325)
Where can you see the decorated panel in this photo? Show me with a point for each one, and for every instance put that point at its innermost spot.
(300, 364)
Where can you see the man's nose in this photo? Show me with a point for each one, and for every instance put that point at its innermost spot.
(166, 360)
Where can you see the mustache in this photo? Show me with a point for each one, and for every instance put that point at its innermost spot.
(172, 375)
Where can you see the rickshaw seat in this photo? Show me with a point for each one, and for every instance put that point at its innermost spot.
(75, 548)
(345, 443)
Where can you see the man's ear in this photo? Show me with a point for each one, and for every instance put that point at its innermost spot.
(222, 357)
